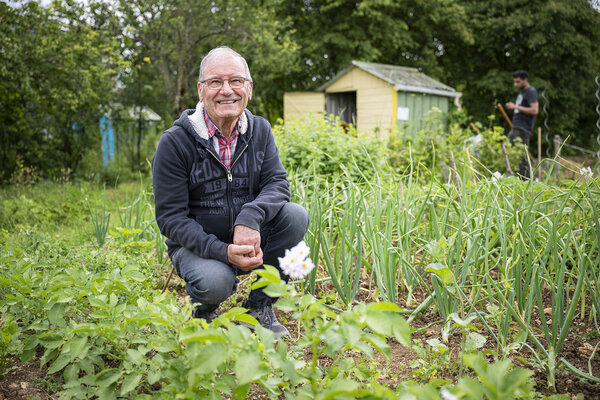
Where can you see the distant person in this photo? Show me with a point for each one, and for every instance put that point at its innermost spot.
(221, 193)
(525, 110)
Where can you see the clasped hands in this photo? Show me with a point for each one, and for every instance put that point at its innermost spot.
(245, 252)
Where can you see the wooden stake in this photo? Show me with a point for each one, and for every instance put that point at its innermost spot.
(505, 116)
(505, 154)
(168, 280)
(454, 173)
(471, 165)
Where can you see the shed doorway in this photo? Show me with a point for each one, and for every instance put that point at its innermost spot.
(343, 105)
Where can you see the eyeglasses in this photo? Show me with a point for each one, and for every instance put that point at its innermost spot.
(237, 82)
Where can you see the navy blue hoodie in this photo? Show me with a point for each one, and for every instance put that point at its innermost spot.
(198, 201)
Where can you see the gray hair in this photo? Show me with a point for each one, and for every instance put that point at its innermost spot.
(218, 50)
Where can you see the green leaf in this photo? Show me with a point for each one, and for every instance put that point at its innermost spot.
(71, 373)
(210, 358)
(463, 323)
(474, 341)
(383, 306)
(107, 377)
(193, 334)
(249, 367)
(241, 391)
(107, 392)
(130, 382)
(154, 376)
(137, 276)
(442, 272)
(275, 290)
(380, 344)
(134, 356)
(63, 359)
(51, 340)
(98, 301)
(56, 313)
(77, 347)
(389, 324)
(269, 274)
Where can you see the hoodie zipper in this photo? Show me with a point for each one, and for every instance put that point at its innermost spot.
(229, 184)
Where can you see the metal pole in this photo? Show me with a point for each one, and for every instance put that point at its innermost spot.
(598, 122)
(557, 143)
(546, 127)
(539, 172)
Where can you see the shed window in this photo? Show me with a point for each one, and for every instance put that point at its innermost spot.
(342, 104)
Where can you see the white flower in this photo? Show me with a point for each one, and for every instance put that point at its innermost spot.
(296, 263)
(587, 171)
(495, 176)
(446, 395)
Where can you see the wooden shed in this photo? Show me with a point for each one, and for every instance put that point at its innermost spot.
(375, 97)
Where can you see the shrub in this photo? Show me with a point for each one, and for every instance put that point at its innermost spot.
(430, 147)
(329, 147)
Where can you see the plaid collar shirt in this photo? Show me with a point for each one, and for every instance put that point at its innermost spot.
(223, 146)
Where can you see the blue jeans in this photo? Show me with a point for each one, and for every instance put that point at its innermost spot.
(210, 282)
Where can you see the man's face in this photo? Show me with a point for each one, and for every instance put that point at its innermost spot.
(520, 83)
(224, 104)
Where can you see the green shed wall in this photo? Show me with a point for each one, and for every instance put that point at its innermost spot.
(419, 105)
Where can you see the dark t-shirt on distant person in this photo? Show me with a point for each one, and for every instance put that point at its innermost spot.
(521, 120)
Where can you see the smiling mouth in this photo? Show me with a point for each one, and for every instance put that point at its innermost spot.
(227, 101)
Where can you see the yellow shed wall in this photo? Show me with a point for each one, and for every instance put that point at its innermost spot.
(375, 99)
(301, 104)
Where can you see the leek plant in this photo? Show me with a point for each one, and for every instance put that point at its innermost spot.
(551, 256)
(138, 216)
(100, 219)
(346, 247)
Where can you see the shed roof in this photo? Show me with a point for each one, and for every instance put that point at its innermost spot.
(402, 78)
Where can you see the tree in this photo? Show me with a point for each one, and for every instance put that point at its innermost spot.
(176, 34)
(56, 74)
(332, 33)
(557, 41)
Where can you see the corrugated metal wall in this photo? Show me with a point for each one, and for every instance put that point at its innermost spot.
(413, 110)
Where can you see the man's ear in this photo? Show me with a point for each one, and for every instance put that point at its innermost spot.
(250, 92)
(200, 92)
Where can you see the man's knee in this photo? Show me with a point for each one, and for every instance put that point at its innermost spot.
(207, 281)
(295, 217)
(212, 289)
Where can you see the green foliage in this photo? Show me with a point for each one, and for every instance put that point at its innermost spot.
(489, 151)
(56, 74)
(498, 380)
(10, 343)
(96, 318)
(101, 219)
(328, 148)
(429, 149)
(167, 43)
(556, 41)
(332, 33)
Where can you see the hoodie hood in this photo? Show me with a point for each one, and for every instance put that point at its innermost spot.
(193, 122)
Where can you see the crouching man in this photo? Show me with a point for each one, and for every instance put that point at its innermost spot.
(222, 194)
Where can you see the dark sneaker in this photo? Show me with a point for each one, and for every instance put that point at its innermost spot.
(207, 315)
(267, 319)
